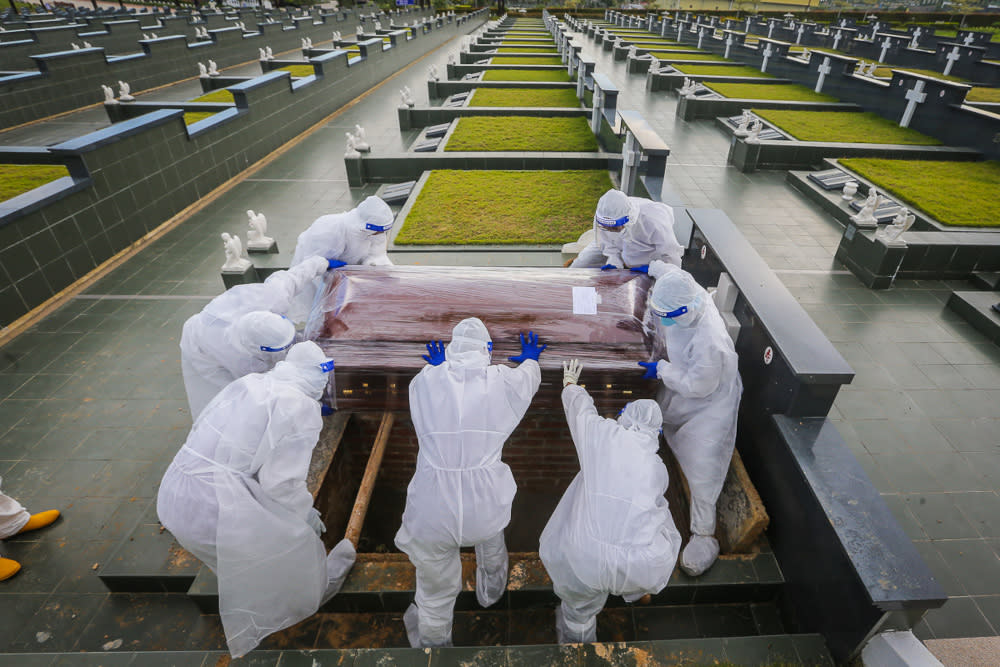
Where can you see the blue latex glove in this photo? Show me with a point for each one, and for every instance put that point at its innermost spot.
(609, 267)
(641, 269)
(325, 410)
(650, 367)
(529, 348)
(335, 264)
(435, 353)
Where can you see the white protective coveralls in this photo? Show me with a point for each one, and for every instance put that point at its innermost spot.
(223, 342)
(13, 516)
(463, 411)
(646, 235)
(700, 398)
(235, 496)
(357, 236)
(612, 532)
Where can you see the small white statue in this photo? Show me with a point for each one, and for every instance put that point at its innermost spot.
(631, 52)
(866, 216)
(145, 36)
(406, 98)
(352, 150)
(416, 23)
(902, 222)
(87, 45)
(109, 94)
(743, 129)
(153, 35)
(806, 53)
(754, 136)
(432, 73)
(451, 58)
(269, 53)
(263, 56)
(257, 238)
(213, 69)
(860, 68)
(202, 71)
(361, 31)
(125, 92)
(76, 47)
(850, 189)
(688, 86)
(235, 261)
(242, 26)
(304, 44)
(378, 26)
(871, 69)
(654, 64)
(361, 139)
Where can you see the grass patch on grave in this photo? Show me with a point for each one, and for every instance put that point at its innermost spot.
(527, 48)
(524, 97)
(299, 71)
(844, 127)
(953, 193)
(661, 47)
(221, 95)
(522, 133)
(673, 57)
(192, 117)
(983, 95)
(520, 60)
(723, 70)
(886, 72)
(768, 91)
(503, 207)
(555, 75)
(16, 179)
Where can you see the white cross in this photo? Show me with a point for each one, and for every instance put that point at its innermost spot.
(916, 36)
(843, 23)
(701, 35)
(874, 32)
(679, 28)
(663, 28)
(885, 49)
(747, 29)
(729, 43)
(969, 38)
(824, 69)
(767, 54)
(770, 29)
(915, 95)
(802, 29)
(952, 58)
(836, 40)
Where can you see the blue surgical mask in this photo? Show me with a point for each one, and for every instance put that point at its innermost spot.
(667, 321)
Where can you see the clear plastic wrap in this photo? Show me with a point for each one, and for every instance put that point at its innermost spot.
(375, 321)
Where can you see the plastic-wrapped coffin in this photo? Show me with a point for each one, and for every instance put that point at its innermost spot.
(375, 321)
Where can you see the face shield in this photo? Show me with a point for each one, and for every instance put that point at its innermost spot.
(375, 215)
(264, 333)
(470, 335)
(614, 211)
(676, 298)
(311, 367)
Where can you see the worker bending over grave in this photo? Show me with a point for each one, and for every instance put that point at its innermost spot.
(629, 233)
(15, 520)
(243, 330)
(358, 236)
(612, 532)
(235, 496)
(463, 410)
(694, 358)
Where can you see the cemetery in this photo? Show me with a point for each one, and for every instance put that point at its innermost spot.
(492, 139)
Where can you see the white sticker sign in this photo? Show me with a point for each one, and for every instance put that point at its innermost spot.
(585, 301)
(768, 355)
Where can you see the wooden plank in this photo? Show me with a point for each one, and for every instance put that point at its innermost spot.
(357, 520)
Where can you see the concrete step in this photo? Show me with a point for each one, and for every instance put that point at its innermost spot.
(976, 308)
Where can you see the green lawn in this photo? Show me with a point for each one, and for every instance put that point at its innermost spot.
(221, 95)
(191, 117)
(520, 60)
(526, 75)
(983, 95)
(522, 133)
(299, 71)
(527, 49)
(768, 91)
(844, 126)
(16, 179)
(722, 70)
(676, 57)
(503, 207)
(953, 193)
(524, 97)
(887, 73)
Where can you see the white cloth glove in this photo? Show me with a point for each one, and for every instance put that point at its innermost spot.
(315, 522)
(571, 371)
(664, 369)
(657, 268)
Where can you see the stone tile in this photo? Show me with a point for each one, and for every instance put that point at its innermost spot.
(959, 617)
(974, 563)
(982, 510)
(939, 516)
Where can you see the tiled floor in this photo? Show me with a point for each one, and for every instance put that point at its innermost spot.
(92, 405)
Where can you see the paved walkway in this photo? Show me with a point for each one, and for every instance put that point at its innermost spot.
(92, 406)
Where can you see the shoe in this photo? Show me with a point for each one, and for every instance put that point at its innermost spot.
(8, 568)
(40, 520)
(699, 554)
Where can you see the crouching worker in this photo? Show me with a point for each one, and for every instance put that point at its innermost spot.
(612, 532)
(358, 236)
(463, 410)
(235, 496)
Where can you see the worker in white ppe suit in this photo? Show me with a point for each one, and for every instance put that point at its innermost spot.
(463, 410)
(696, 362)
(242, 331)
(612, 532)
(235, 496)
(358, 236)
(630, 232)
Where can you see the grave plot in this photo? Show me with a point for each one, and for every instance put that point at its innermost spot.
(20, 179)
(521, 133)
(765, 91)
(846, 127)
(524, 97)
(725, 71)
(522, 60)
(551, 76)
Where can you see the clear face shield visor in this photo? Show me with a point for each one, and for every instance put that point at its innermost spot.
(613, 225)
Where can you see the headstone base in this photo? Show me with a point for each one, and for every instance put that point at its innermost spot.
(262, 249)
